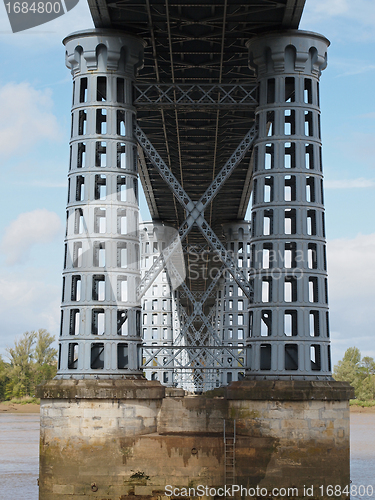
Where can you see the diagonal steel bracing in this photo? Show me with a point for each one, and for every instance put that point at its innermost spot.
(215, 354)
(195, 210)
(159, 264)
(198, 308)
(196, 336)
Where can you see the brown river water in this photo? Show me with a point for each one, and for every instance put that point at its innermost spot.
(19, 448)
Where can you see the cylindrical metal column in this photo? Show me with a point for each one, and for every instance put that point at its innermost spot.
(158, 304)
(101, 315)
(232, 304)
(289, 335)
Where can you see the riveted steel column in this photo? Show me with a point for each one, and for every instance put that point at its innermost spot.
(233, 317)
(101, 315)
(289, 317)
(158, 305)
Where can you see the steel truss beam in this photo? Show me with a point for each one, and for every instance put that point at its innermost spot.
(216, 355)
(208, 353)
(210, 338)
(195, 210)
(193, 96)
(195, 336)
(198, 308)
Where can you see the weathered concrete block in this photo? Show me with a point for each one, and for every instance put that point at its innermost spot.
(340, 423)
(101, 389)
(294, 424)
(63, 489)
(132, 448)
(317, 424)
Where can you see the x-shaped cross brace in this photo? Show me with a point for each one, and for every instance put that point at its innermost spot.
(195, 211)
(198, 310)
(216, 354)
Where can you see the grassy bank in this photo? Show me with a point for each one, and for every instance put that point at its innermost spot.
(20, 405)
(358, 406)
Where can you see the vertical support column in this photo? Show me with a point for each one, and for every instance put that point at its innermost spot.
(233, 306)
(158, 303)
(290, 333)
(100, 319)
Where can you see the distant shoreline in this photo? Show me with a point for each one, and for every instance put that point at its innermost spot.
(19, 408)
(35, 408)
(362, 409)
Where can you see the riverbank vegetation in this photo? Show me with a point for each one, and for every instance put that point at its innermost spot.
(31, 360)
(363, 404)
(360, 373)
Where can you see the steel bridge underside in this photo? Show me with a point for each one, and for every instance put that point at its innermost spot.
(195, 98)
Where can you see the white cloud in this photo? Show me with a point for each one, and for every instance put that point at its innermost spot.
(370, 116)
(349, 183)
(28, 302)
(26, 118)
(29, 229)
(361, 150)
(363, 11)
(332, 8)
(358, 68)
(352, 262)
(351, 267)
(344, 20)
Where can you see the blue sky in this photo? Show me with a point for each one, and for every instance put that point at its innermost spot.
(35, 97)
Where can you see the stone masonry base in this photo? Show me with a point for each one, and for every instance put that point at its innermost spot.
(129, 439)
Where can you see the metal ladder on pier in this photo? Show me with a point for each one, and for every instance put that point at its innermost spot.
(230, 456)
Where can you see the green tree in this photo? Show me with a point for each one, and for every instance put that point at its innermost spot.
(346, 369)
(365, 389)
(368, 366)
(360, 373)
(364, 383)
(32, 359)
(20, 370)
(44, 356)
(3, 378)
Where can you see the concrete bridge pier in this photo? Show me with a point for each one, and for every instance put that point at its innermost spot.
(130, 439)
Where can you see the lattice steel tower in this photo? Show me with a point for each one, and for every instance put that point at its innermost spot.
(289, 317)
(100, 321)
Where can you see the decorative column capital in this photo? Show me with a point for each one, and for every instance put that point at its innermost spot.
(292, 51)
(103, 50)
(237, 230)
